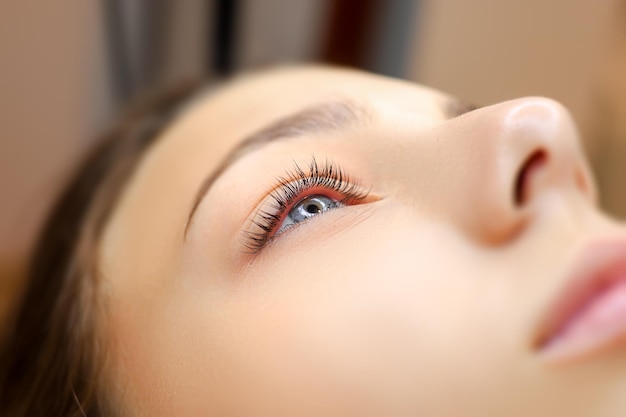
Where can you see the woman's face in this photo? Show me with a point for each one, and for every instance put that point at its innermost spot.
(316, 242)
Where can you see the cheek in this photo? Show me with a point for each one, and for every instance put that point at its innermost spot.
(372, 322)
(352, 323)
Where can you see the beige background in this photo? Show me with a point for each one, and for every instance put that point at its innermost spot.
(51, 67)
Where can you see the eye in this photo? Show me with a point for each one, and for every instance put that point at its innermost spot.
(307, 208)
(299, 196)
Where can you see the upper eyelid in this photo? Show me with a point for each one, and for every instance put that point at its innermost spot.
(329, 175)
(280, 183)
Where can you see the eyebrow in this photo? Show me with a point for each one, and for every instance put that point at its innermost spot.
(332, 116)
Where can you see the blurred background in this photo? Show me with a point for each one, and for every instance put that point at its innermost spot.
(67, 68)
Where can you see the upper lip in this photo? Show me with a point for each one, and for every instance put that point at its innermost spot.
(600, 265)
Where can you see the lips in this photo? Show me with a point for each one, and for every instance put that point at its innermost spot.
(589, 315)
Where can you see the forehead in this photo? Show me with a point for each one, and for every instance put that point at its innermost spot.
(159, 197)
(266, 97)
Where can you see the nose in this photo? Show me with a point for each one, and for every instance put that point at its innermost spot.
(523, 151)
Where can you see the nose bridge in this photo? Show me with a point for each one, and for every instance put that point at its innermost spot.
(496, 153)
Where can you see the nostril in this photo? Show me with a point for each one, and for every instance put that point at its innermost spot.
(522, 183)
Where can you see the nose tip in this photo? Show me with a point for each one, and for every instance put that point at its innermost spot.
(527, 149)
(544, 143)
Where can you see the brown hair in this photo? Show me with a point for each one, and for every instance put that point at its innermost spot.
(52, 356)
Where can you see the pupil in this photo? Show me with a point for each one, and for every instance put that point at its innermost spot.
(313, 209)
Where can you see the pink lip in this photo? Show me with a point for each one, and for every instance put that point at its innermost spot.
(589, 315)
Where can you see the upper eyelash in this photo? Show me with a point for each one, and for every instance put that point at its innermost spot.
(290, 187)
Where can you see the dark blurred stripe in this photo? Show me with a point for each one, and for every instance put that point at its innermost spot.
(118, 49)
(394, 36)
(349, 31)
(224, 31)
(154, 35)
(133, 69)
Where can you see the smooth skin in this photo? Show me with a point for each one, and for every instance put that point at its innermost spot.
(422, 299)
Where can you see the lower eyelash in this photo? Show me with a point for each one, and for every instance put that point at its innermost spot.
(292, 187)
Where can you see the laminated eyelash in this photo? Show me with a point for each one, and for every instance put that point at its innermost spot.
(291, 187)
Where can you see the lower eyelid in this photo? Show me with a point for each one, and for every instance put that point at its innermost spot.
(270, 238)
(339, 203)
(337, 224)
(285, 211)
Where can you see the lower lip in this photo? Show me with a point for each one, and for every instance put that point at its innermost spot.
(599, 325)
